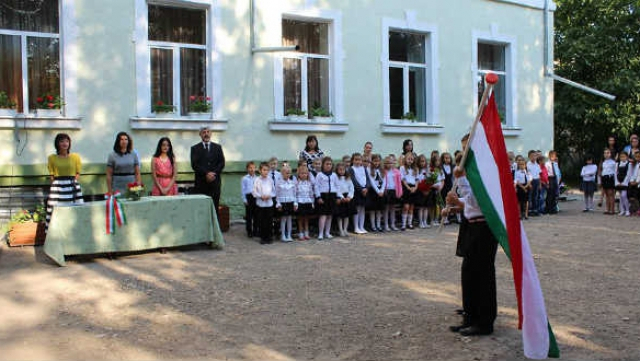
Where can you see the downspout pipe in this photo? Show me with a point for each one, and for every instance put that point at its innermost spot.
(548, 62)
(270, 49)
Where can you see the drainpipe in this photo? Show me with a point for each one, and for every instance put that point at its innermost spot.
(270, 49)
(548, 62)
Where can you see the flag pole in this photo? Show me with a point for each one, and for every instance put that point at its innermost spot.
(492, 80)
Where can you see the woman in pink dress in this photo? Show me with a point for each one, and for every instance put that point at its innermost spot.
(163, 170)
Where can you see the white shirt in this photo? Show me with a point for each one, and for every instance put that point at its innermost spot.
(327, 184)
(534, 170)
(521, 176)
(471, 207)
(286, 192)
(263, 187)
(345, 185)
(635, 175)
(408, 175)
(377, 181)
(275, 176)
(588, 172)
(247, 185)
(390, 181)
(359, 175)
(304, 191)
(608, 167)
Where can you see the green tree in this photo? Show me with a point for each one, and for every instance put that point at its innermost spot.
(597, 44)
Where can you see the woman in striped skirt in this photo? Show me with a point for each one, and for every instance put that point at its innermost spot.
(64, 170)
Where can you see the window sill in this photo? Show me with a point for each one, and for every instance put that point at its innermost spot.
(177, 123)
(33, 121)
(283, 125)
(511, 131)
(411, 128)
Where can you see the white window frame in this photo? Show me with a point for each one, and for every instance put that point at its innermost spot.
(431, 66)
(280, 122)
(533, 4)
(510, 126)
(69, 63)
(144, 118)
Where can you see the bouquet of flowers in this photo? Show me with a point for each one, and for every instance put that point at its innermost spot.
(425, 185)
(135, 190)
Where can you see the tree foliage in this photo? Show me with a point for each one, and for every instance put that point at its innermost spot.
(597, 43)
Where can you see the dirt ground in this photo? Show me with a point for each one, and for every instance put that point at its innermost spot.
(373, 297)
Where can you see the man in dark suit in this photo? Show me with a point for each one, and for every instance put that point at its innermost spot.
(207, 161)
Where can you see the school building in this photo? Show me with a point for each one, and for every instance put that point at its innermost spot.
(273, 71)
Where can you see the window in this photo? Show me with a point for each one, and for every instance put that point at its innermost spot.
(306, 80)
(178, 53)
(407, 76)
(29, 51)
(492, 58)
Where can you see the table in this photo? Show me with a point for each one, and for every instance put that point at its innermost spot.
(152, 222)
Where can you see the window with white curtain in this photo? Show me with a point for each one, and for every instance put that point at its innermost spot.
(178, 53)
(306, 81)
(29, 51)
(407, 76)
(492, 58)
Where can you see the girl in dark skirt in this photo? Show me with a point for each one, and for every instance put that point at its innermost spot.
(286, 202)
(375, 197)
(607, 182)
(588, 184)
(522, 181)
(447, 171)
(358, 174)
(344, 206)
(410, 196)
(392, 193)
(326, 191)
(64, 170)
(306, 198)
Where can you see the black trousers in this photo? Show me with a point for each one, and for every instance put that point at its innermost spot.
(249, 215)
(552, 195)
(479, 299)
(264, 217)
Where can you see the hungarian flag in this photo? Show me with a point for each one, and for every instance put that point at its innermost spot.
(489, 174)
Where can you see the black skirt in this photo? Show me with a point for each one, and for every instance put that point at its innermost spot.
(608, 182)
(346, 209)
(390, 197)
(286, 209)
(374, 201)
(328, 206)
(408, 197)
(588, 187)
(305, 209)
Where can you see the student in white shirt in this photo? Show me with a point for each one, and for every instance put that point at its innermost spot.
(264, 192)
(588, 184)
(248, 199)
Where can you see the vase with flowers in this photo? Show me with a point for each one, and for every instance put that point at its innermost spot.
(7, 106)
(26, 227)
(49, 105)
(162, 109)
(199, 106)
(135, 191)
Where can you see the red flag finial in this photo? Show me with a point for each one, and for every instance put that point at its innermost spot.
(491, 78)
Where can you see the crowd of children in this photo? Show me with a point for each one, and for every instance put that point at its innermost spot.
(617, 173)
(389, 192)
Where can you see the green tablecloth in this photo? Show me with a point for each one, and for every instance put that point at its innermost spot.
(152, 222)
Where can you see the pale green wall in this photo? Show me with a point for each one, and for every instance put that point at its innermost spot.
(106, 82)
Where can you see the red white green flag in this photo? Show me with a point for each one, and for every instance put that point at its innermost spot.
(489, 174)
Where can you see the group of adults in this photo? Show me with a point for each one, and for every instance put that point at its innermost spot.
(123, 169)
(630, 149)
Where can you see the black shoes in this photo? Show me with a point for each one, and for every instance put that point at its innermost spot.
(476, 331)
(457, 328)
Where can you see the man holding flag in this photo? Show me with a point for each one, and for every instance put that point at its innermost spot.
(488, 172)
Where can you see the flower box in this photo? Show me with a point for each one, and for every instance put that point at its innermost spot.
(165, 115)
(48, 113)
(27, 234)
(323, 119)
(297, 118)
(7, 112)
(199, 115)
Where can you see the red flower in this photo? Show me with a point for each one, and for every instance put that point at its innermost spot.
(50, 105)
(50, 98)
(129, 185)
(39, 99)
(208, 98)
(192, 98)
(160, 102)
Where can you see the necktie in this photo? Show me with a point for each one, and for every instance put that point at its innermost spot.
(329, 177)
(273, 176)
(206, 146)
